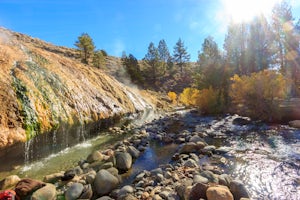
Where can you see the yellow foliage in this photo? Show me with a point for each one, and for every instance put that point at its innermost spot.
(188, 96)
(259, 93)
(207, 100)
(173, 97)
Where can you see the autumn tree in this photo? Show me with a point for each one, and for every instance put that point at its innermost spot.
(180, 55)
(86, 46)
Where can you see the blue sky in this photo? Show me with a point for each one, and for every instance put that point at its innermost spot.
(117, 25)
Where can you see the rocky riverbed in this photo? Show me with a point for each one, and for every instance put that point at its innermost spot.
(197, 168)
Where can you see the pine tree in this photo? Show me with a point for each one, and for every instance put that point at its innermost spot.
(86, 45)
(180, 55)
(152, 58)
(98, 59)
(163, 51)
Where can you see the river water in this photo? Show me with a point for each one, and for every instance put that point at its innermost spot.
(264, 157)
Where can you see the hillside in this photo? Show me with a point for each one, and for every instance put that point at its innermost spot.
(43, 85)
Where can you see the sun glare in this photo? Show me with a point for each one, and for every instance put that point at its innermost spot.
(246, 10)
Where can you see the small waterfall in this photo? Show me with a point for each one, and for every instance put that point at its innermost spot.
(28, 151)
(54, 139)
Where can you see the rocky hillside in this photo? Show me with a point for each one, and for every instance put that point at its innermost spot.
(43, 85)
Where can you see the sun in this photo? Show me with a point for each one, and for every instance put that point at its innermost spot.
(246, 10)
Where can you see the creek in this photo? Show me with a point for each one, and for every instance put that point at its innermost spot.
(266, 158)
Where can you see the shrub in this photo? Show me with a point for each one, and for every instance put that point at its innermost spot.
(173, 97)
(188, 96)
(258, 94)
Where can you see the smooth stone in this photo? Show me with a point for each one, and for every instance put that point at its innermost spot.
(74, 191)
(200, 179)
(218, 193)
(195, 139)
(156, 171)
(105, 182)
(95, 156)
(295, 123)
(164, 194)
(52, 178)
(190, 163)
(210, 176)
(107, 165)
(105, 198)
(9, 182)
(238, 189)
(127, 189)
(223, 150)
(225, 179)
(127, 197)
(189, 147)
(47, 192)
(198, 191)
(209, 148)
(133, 152)
(123, 161)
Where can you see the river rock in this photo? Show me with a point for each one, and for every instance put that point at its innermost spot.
(190, 163)
(225, 179)
(127, 189)
(74, 191)
(210, 176)
(105, 198)
(9, 182)
(195, 139)
(68, 175)
(295, 123)
(200, 179)
(198, 191)
(123, 161)
(47, 192)
(133, 152)
(241, 121)
(52, 178)
(189, 147)
(87, 192)
(238, 189)
(95, 156)
(105, 182)
(218, 193)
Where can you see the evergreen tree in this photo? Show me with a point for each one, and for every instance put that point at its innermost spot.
(152, 58)
(180, 55)
(98, 59)
(133, 69)
(163, 51)
(86, 46)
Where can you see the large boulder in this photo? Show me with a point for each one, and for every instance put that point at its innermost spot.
(47, 192)
(123, 161)
(105, 182)
(238, 189)
(218, 193)
(74, 191)
(9, 182)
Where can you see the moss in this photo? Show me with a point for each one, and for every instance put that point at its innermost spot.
(30, 122)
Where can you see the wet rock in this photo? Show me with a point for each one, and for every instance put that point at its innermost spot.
(133, 152)
(95, 156)
(241, 121)
(123, 161)
(127, 197)
(9, 182)
(164, 194)
(105, 182)
(223, 150)
(210, 176)
(156, 171)
(218, 193)
(198, 191)
(78, 170)
(114, 171)
(183, 191)
(74, 191)
(47, 192)
(90, 177)
(238, 189)
(211, 148)
(107, 165)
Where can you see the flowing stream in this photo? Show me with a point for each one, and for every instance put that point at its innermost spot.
(264, 157)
